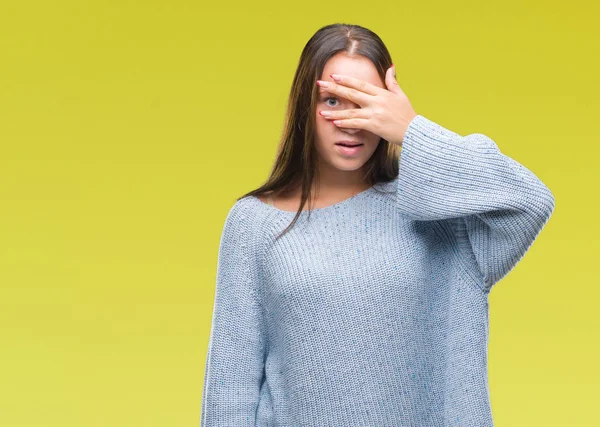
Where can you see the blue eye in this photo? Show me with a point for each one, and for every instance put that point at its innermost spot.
(327, 99)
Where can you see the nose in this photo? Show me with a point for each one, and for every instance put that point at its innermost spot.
(350, 131)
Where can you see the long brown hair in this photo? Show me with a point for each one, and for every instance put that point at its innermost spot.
(295, 163)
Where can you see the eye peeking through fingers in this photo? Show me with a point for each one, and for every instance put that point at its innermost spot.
(327, 99)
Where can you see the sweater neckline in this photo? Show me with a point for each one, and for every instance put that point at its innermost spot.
(322, 209)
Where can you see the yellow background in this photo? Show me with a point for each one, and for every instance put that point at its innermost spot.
(127, 130)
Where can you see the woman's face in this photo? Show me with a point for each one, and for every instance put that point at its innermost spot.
(332, 156)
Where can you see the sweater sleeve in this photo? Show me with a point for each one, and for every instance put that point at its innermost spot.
(234, 362)
(496, 206)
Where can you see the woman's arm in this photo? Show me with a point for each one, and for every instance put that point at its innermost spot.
(234, 361)
(499, 206)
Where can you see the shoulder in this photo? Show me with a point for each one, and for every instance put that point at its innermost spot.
(239, 213)
(243, 220)
(243, 206)
(240, 247)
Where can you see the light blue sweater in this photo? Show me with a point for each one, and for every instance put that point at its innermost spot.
(374, 312)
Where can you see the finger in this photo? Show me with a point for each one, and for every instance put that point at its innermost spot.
(351, 94)
(354, 124)
(351, 113)
(391, 82)
(358, 84)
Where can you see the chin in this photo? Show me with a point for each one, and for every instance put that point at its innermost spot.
(348, 165)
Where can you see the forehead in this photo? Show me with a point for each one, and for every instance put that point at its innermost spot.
(357, 66)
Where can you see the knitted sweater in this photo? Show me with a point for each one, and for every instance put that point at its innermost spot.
(373, 311)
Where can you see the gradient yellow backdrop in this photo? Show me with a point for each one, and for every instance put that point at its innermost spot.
(127, 130)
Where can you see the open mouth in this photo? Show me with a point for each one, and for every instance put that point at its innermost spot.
(349, 150)
(343, 144)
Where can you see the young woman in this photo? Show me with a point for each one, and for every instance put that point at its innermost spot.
(371, 308)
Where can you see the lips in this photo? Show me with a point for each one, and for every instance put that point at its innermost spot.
(348, 144)
(349, 151)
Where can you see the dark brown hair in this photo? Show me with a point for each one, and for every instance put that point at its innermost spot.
(295, 163)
